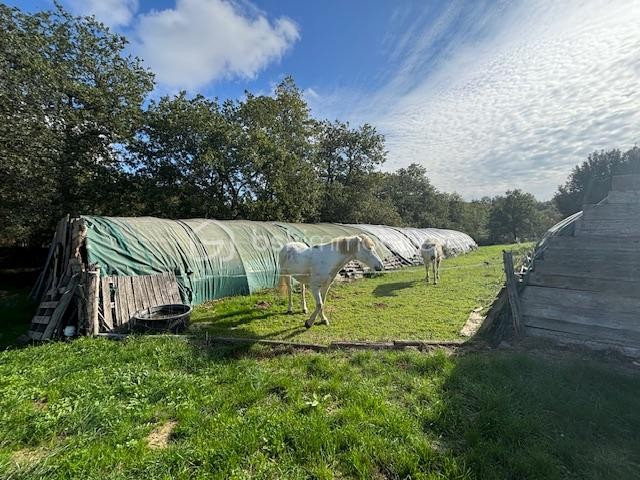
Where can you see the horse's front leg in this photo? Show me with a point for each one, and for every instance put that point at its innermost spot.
(290, 290)
(317, 296)
(435, 272)
(303, 289)
(427, 265)
(323, 292)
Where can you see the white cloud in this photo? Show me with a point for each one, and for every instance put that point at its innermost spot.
(522, 97)
(200, 41)
(112, 12)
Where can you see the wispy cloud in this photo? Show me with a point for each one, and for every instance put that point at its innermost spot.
(115, 13)
(200, 41)
(515, 95)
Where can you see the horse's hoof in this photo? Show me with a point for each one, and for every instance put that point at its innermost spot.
(305, 311)
(289, 312)
(308, 325)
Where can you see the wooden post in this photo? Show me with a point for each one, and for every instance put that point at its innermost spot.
(92, 292)
(512, 291)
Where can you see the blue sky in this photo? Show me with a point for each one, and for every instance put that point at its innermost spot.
(487, 95)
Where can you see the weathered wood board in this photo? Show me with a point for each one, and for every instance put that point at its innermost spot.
(122, 296)
(585, 288)
(574, 281)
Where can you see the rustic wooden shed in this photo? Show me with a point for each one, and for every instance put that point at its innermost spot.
(584, 283)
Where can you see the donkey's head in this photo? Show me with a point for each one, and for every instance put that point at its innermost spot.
(363, 249)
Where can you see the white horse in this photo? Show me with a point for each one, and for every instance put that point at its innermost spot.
(432, 252)
(317, 266)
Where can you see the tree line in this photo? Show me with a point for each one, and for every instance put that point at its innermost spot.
(79, 134)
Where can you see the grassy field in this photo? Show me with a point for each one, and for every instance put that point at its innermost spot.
(165, 408)
(160, 408)
(394, 305)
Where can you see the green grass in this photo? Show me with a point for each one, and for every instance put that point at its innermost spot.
(85, 409)
(394, 305)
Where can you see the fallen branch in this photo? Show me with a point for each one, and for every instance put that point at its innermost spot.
(337, 345)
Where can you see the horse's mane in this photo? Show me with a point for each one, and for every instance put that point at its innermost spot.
(349, 245)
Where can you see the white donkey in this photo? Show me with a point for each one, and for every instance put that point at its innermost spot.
(317, 266)
(432, 252)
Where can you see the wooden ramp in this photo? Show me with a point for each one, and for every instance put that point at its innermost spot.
(585, 288)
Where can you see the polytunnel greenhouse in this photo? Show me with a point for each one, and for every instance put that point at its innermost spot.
(138, 260)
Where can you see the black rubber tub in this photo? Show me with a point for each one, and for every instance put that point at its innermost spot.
(163, 318)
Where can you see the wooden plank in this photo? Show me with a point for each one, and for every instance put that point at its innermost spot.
(610, 271)
(614, 211)
(588, 317)
(66, 248)
(591, 243)
(166, 287)
(581, 299)
(130, 297)
(105, 291)
(50, 304)
(151, 294)
(146, 297)
(602, 255)
(428, 343)
(43, 319)
(594, 333)
(121, 295)
(512, 292)
(173, 288)
(574, 339)
(585, 283)
(625, 183)
(361, 345)
(623, 197)
(610, 227)
(153, 286)
(139, 295)
(92, 294)
(58, 313)
(145, 283)
(158, 287)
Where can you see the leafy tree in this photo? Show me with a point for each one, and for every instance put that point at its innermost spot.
(514, 217)
(279, 130)
(69, 98)
(590, 181)
(346, 159)
(187, 154)
(417, 201)
(477, 219)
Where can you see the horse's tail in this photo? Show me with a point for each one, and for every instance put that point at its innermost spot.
(282, 284)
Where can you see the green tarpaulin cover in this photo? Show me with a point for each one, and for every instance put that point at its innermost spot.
(210, 258)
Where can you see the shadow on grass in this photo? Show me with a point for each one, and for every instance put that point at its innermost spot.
(501, 414)
(517, 415)
(391, 289)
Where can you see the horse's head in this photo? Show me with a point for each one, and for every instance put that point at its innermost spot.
(366, 253)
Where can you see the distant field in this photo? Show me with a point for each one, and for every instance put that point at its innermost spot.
(394, 305)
